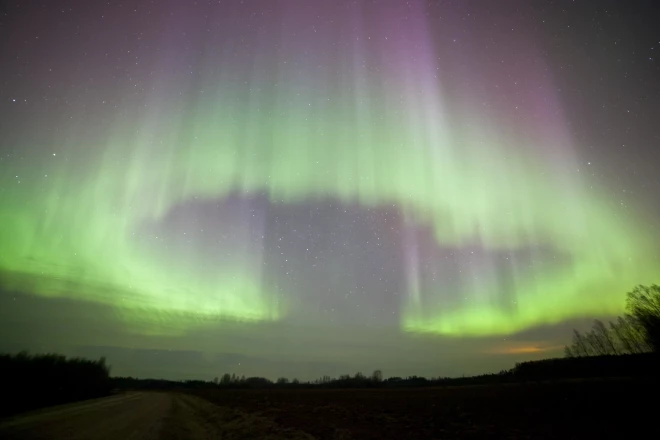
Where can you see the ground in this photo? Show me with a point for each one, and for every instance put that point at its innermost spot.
(143, 416)
(550, 410)
(569, 409)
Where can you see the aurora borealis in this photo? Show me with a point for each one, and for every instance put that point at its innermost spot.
(298, 172)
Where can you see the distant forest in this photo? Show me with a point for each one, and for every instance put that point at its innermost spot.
(33, 381)
(606, 366)
(627, 347)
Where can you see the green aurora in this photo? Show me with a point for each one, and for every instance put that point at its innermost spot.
(70, 233)
(70, 214)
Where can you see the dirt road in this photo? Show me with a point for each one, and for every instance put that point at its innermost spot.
(143, 416)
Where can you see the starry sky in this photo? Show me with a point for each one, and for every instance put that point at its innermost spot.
(306, 187)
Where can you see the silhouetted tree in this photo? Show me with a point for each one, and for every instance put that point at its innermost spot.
(638, 331)
(619, 328)
(605, 337)
(595, 344)
(226, 379)
(579, 347)
(621, 337)
(644, 304)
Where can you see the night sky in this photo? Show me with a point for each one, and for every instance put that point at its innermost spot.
(306, 187)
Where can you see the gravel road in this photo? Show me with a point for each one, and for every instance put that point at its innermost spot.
(142, 416)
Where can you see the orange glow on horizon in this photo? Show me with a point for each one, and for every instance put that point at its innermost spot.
(524, 348)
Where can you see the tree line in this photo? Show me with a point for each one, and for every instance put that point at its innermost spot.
(33, 381)
(345, 381)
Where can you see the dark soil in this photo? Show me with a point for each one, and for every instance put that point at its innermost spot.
(569, 409)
